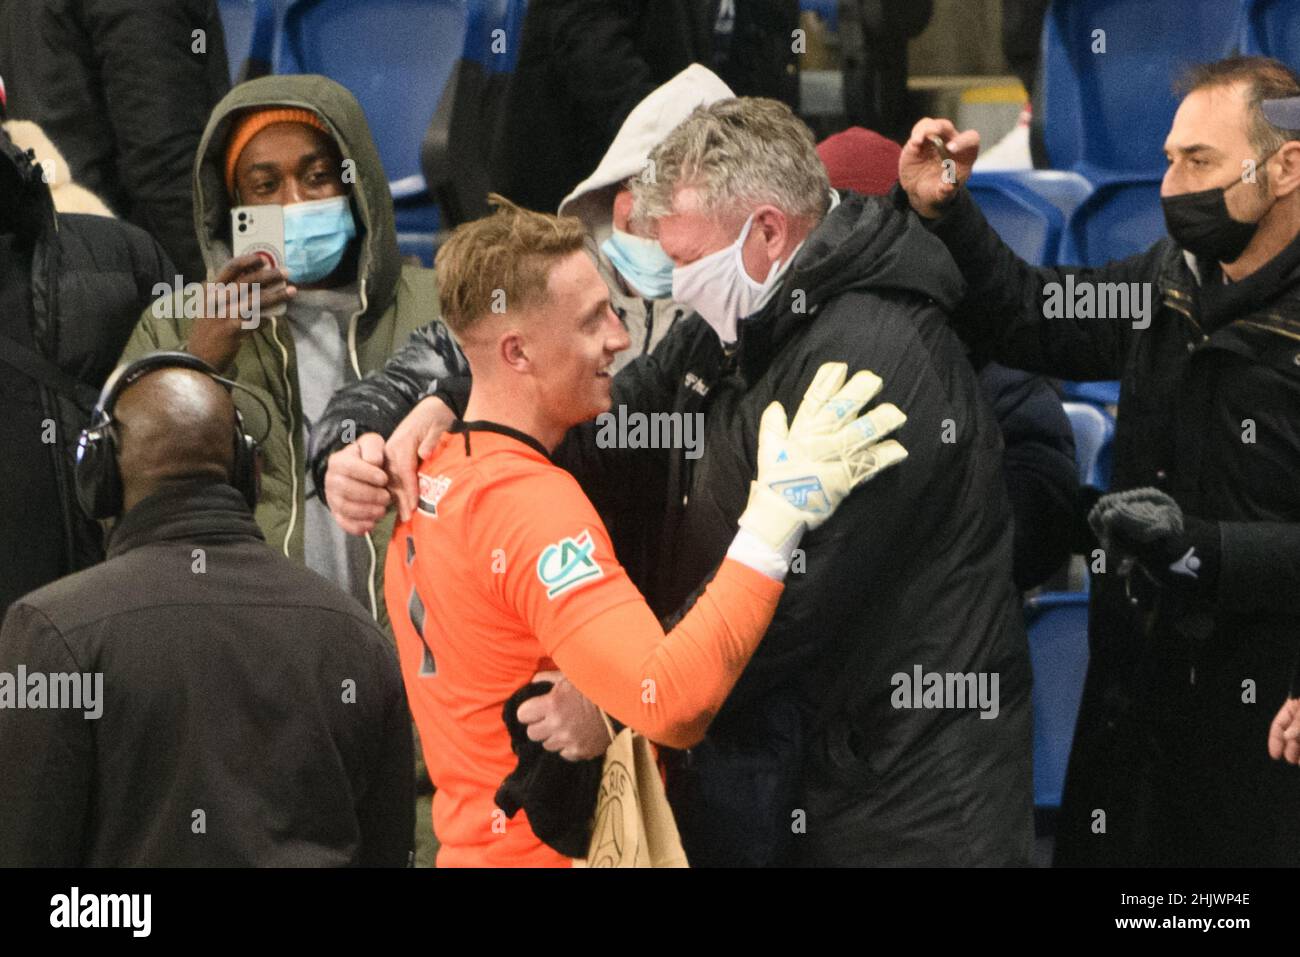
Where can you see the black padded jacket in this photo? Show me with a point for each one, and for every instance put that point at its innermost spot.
(1182, 683)
(91, 277)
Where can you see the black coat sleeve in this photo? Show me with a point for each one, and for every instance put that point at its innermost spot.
(1004, 315)
(1294, 690)
(1260, 562)
(153, 267)
(604, 73)
(386, 812)
(47, 754)
(111, 272)
(380, 401)
(157, 82)
(1038, 463)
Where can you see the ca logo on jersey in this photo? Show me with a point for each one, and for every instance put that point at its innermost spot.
(432, 489)
(567, 564)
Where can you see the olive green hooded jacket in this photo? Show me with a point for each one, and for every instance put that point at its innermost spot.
(395, 299)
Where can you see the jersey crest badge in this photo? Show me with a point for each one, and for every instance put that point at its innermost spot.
(432, 489)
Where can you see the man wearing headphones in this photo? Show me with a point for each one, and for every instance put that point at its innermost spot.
(198, 698)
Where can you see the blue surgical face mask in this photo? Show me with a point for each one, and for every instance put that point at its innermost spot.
(642, 262)
(316, 235)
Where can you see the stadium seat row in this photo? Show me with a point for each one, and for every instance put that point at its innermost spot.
(412, 64)
(1109, 68)
(1106, 97)
(1107, 100)
(1057, 626)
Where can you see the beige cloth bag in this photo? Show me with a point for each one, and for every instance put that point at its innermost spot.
(633, 825)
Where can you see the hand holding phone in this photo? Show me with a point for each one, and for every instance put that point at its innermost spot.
(252, 285)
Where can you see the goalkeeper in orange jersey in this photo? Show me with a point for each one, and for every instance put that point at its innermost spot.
(506, 569)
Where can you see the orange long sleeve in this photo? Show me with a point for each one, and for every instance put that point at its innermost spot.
(669, 687)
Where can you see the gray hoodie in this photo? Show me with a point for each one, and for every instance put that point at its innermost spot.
(592, 201)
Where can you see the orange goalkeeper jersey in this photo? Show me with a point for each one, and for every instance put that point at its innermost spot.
(504, 570)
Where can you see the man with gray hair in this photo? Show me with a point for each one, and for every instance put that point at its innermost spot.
(818, 757)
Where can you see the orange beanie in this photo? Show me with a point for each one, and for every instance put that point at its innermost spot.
(252, 123)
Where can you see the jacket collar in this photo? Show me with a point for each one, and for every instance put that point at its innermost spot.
(1268, 298)
(862, 244)
(191, 511)
(1268, 288)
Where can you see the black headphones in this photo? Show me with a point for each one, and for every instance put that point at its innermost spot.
(98, 477)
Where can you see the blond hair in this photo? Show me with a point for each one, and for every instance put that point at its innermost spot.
(740, 152)
(501, 262)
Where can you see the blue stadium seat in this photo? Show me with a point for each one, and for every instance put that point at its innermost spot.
(418, 243)
(1107, 112)
(1101, 394)
(828, 10)
(492, 37)
(395, 56)
(457, 146)
(1094, 434)
(249, 29)
(1122, 217)
(1029, 208)
(515, 30)
(1057, 623)
(1272, 28)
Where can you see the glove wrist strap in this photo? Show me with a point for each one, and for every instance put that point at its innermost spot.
(751, 550)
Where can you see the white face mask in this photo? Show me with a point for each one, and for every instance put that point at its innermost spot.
(718, 288)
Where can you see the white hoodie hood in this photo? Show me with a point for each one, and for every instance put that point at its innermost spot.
(646, 127)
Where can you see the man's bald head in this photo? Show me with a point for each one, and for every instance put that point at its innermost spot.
(173, 425)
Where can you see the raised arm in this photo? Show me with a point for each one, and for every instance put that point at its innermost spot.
(1014, 312)
(379, 402)
(363, 450)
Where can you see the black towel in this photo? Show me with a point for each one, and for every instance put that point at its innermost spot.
(559, 795)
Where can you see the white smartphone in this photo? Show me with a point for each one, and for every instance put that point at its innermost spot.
(260, 230)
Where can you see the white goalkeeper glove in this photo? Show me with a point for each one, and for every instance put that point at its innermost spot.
(807, 469)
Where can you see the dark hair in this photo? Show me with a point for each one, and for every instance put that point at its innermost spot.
(1265, 79)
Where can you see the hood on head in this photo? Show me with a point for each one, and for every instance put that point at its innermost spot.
(379, 263)
(646, 126)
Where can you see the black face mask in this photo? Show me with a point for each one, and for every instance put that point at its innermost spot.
(1200, 223)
